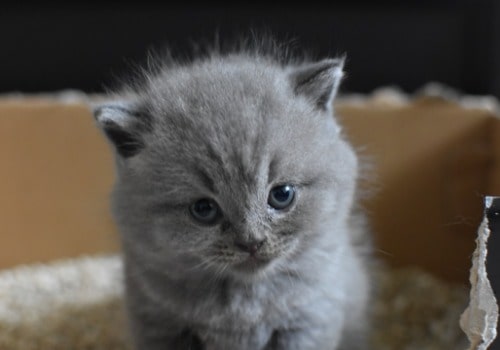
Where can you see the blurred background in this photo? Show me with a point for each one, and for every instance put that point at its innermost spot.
(49, 47)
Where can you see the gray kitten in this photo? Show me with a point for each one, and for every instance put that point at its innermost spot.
(234, 199)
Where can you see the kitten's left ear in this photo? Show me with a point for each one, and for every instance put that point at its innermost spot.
(319, 81)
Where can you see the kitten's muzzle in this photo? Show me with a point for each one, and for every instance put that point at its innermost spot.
(251, 247)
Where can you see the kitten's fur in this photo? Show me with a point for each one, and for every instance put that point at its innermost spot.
(231, 127)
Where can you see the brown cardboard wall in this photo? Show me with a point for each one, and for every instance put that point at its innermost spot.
(494, 175)
(433, 161)
(55, 176)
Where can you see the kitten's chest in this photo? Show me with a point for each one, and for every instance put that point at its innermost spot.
(253, 338)
(242, 318)
(252, 307)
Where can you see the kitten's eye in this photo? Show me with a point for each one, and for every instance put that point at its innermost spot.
(281, 196)
(205, 211)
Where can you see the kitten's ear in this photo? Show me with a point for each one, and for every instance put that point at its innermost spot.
(319, 81)
(123, 125)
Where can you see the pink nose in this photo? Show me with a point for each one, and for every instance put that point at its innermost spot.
(250, 247)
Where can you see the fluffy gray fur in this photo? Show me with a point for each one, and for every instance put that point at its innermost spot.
(230, 128)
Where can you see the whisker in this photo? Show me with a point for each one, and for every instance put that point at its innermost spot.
(204, 264)
(385, 252)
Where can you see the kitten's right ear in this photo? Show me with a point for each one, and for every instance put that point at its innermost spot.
(123, 124)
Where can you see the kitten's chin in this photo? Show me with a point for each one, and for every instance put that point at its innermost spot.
(252, 267)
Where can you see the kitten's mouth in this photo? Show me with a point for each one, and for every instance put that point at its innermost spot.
(251, 264)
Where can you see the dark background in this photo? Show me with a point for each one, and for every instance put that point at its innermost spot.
(49, 47)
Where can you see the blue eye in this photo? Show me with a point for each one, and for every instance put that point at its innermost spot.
(281, 196)
(205, 211)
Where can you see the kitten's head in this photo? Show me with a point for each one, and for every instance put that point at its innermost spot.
(232, 163)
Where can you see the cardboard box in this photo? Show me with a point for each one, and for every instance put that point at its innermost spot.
(56, 173)
(431, 162)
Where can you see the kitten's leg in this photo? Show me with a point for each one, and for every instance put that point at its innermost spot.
(354, 342)
(304, 339)
(355, 338)
(152, 326)
(153, 333)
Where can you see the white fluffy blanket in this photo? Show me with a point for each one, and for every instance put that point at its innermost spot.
(77, 304)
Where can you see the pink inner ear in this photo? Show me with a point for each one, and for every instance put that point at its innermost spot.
(126, 143)
(319, 81)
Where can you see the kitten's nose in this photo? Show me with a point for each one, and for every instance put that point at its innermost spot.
(249, 246)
